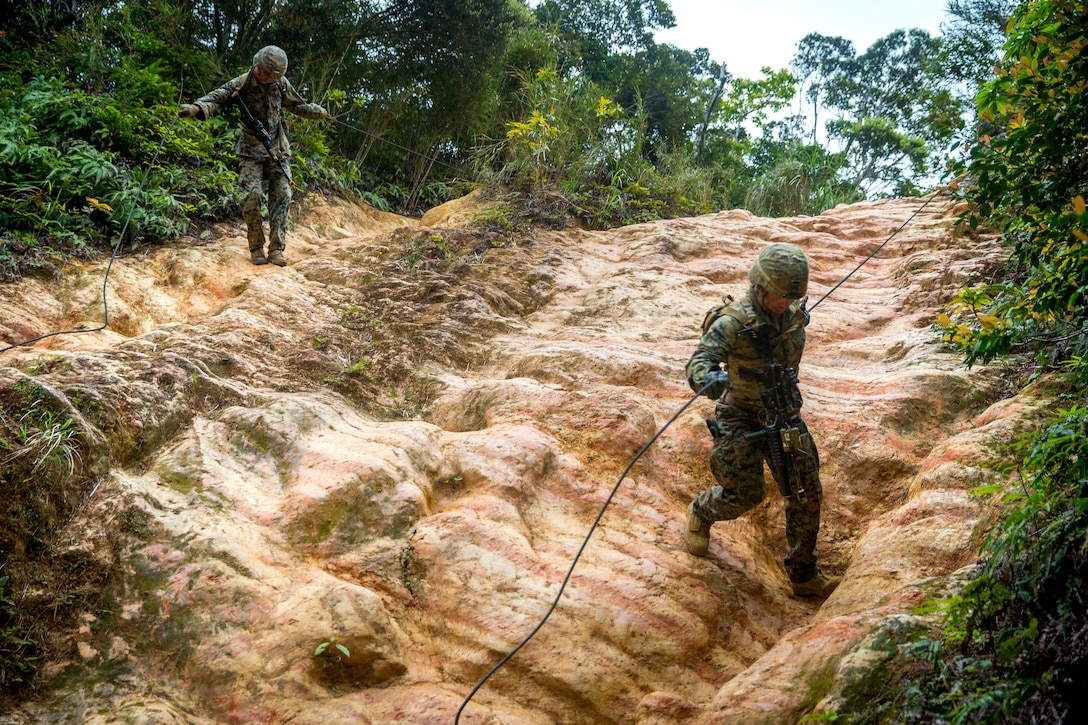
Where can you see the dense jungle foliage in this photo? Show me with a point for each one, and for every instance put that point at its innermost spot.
(570, 102)
(571, 105)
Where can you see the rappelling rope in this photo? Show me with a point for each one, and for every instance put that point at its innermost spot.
(431, 159)
(116, 248)
(873, 253)
(638, 455)
(579, 554)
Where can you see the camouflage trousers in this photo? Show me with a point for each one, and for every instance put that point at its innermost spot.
(737, 465)
(251, 172)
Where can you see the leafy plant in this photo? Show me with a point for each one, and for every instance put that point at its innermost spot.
(331, 642)
(1028, 175)
(803, 180)
(1014, 642)
(1011, 635)
(40, 454)
(50, 441)
(20, 650)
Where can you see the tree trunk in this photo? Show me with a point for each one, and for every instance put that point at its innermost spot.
(723, 78)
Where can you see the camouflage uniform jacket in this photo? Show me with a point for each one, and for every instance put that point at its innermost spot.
(266, 102)
(734, 339)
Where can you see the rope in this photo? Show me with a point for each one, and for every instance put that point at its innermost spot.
(577, 556)
(113, 256)
(615, 488)
(432, 159)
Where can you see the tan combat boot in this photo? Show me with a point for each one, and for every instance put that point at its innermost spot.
(255, 238)
(277, 258)
(696, 533)
(820, 586)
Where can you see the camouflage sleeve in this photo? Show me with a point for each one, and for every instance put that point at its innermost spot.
(714, 348)
(293, 102)
(211, 103)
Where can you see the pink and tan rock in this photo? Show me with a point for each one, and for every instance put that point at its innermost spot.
(277, 520)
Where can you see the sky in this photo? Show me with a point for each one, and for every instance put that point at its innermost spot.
(749, 34)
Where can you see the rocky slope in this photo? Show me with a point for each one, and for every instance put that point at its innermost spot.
(392, 450)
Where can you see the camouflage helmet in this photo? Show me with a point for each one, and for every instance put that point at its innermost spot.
(782, 270)
(271, 61)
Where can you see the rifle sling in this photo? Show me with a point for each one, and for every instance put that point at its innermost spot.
(256, 126)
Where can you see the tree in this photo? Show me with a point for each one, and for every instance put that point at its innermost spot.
(825, 64)
(320, 37)
(31, 22)
(890, 109)
(1028, 174)
(973, 35)
(669, 86)
(231, 28)
(412, 81)
(721, 78)
(741, 131)
(615, 25)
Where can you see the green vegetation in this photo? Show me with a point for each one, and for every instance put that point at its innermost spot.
(20, 649)
(40, 455)
(320, 650)
(86, 102)
(569, 103)
(1013, 647)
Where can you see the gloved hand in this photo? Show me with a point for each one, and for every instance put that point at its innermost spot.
(715, 383)
(188, 110)
(324, 115)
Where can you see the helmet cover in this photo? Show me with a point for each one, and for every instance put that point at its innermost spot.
(271, 61)
(782, 270)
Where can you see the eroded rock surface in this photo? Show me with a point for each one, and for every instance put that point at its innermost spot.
(392, 450)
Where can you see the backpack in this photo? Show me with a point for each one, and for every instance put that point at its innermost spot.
(715, 313)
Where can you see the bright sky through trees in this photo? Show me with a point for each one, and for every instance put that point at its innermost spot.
(749, 34)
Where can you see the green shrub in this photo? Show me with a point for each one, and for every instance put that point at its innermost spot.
(20, 649)
(1027, 174)
(804, 181)
(573, 141)
(72, 163)
(1017, 636)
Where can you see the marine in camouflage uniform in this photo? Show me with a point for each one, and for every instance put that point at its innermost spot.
(266, 94)
(767, 325)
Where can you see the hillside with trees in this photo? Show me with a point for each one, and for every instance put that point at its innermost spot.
(567, 102)
(568, 114)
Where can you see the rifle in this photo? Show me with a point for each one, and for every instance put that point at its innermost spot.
(261, 132)
(791, 450)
